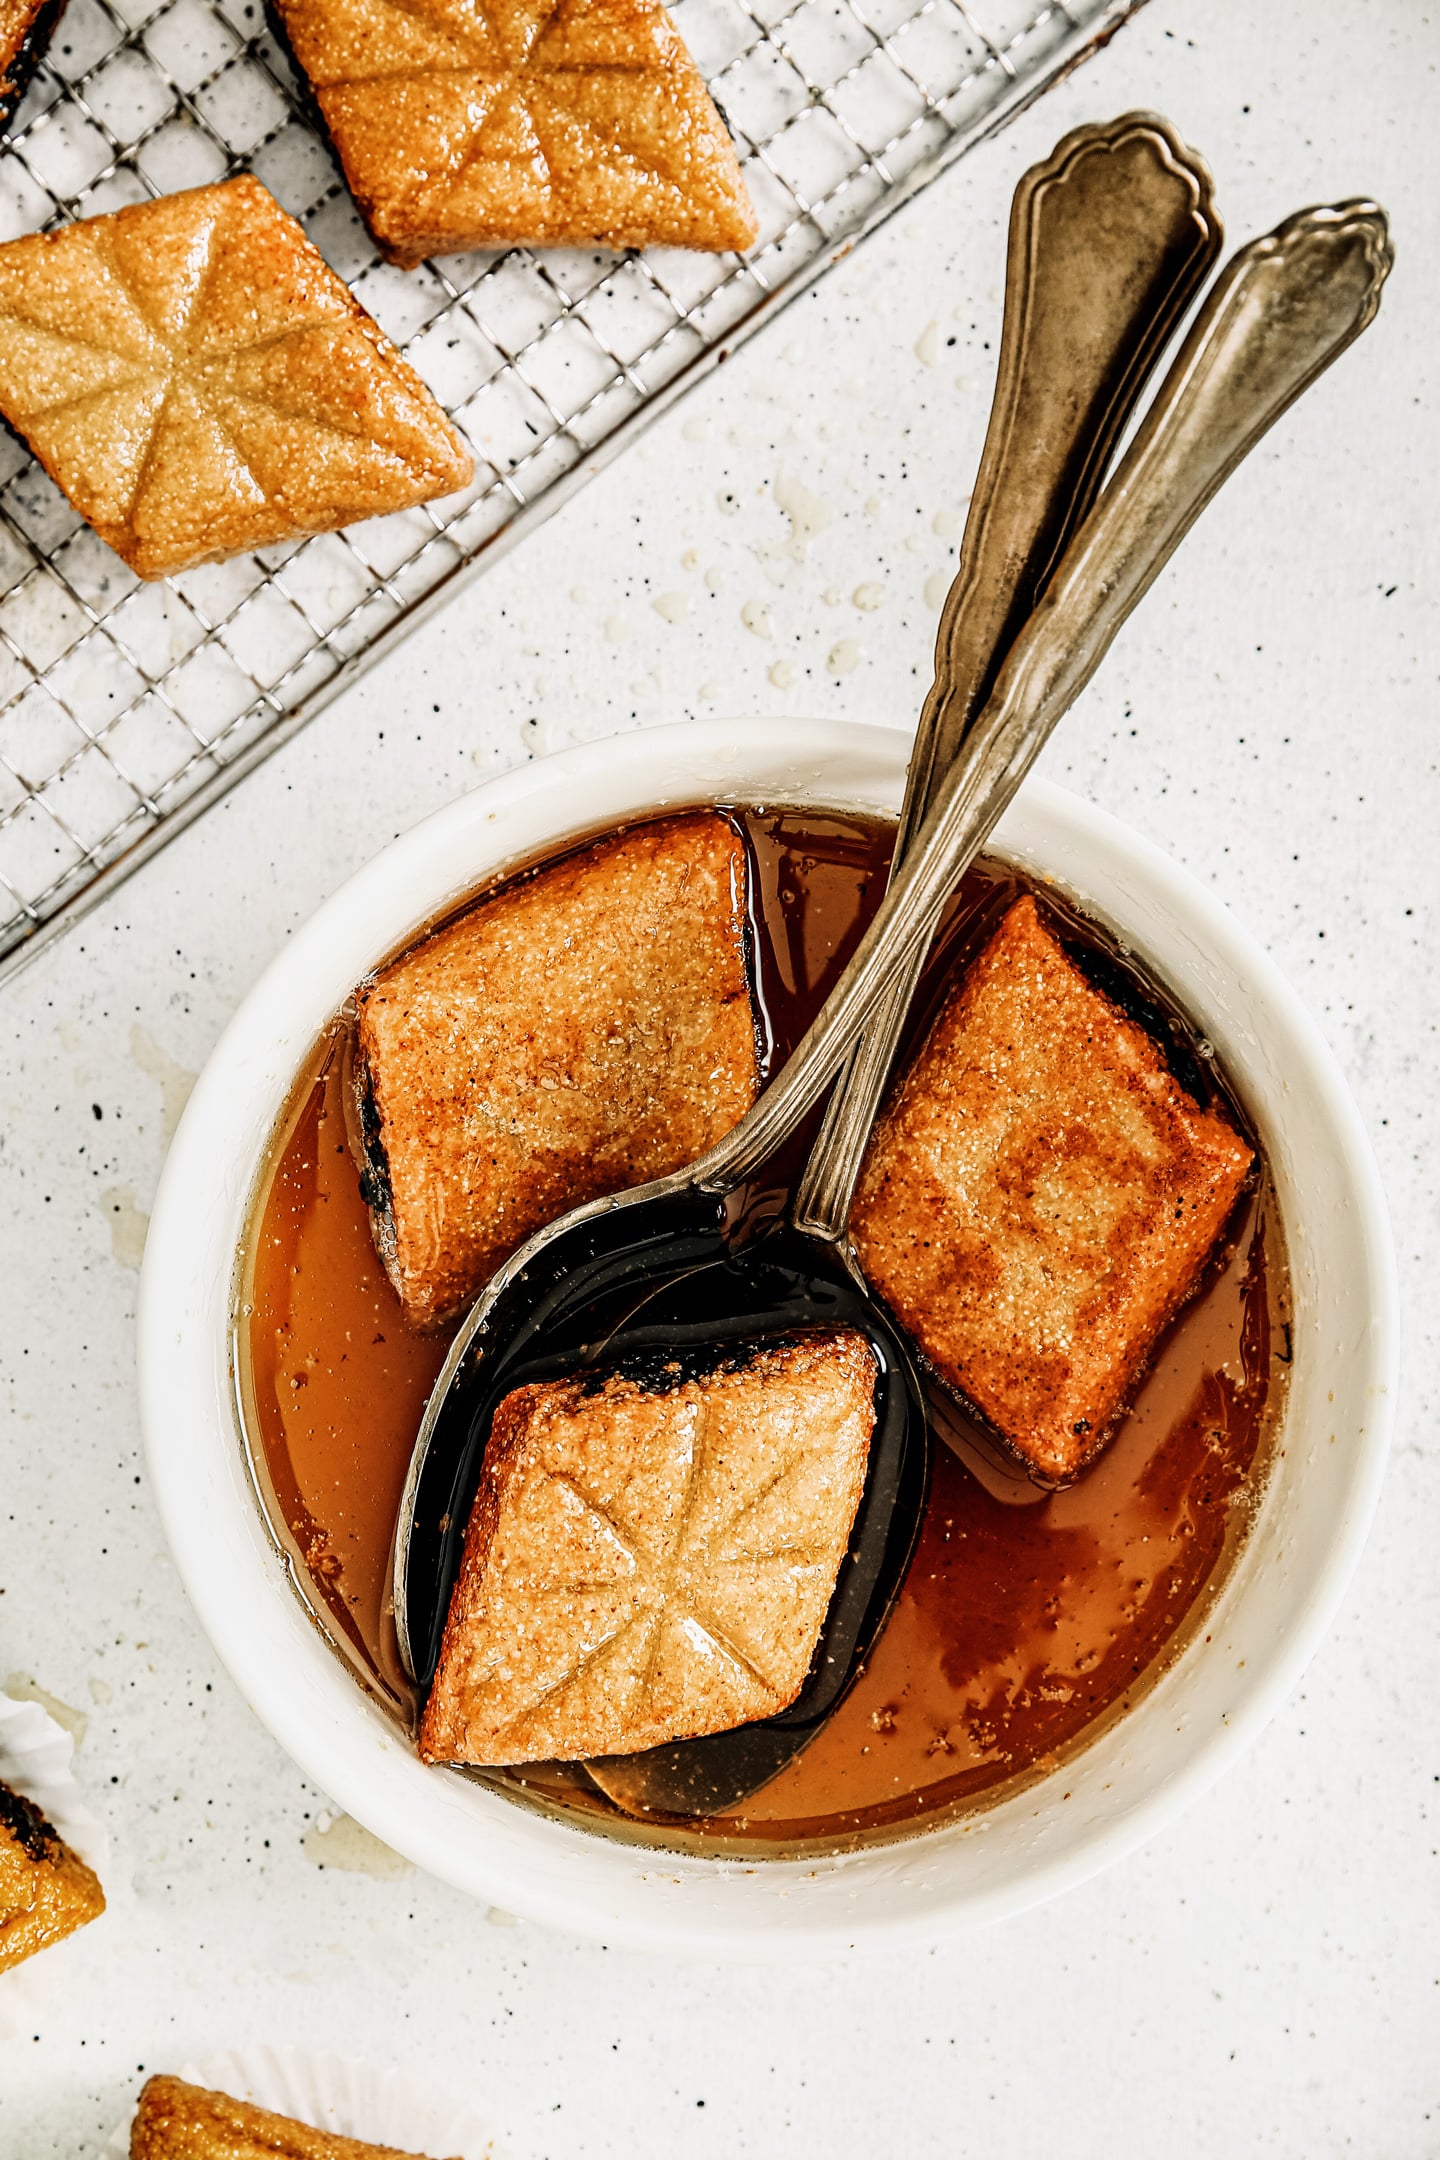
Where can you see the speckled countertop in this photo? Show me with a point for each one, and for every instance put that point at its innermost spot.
(1264, 1978)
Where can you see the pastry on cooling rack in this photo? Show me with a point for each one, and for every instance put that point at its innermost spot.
(1041, 1195)
(485, 123)
(176, 2121)
(46, 1890)
(652, 1551)
(26, 27)
(199, 382)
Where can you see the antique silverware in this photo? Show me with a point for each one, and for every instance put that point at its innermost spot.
(711, 1255)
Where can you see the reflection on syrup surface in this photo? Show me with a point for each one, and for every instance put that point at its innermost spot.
(1026, 1618)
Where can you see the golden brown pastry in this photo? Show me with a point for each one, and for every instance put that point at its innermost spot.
(199, 382)
(176, 2121)
(46, 1890)
(482, 123)
(26, 27)
(651, 1554)
(1040, 1196)
(587, 1029)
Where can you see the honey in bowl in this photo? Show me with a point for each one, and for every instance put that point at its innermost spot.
(1028, 1618)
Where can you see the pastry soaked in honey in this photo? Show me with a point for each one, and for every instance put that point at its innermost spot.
(585, 1030)
(199, 382)
(26, 27)
(483, 123)
(651, 1554)
(46, 1890)
(176, 2121)
(1040, 1197)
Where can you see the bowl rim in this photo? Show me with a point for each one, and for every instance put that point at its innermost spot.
(197, 1470)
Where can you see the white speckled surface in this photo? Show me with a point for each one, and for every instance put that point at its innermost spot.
(1264, 1979)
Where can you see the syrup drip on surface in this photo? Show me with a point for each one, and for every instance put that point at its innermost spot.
(1027, 1618)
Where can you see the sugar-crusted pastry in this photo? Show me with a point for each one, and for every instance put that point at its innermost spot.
(652, 1552)
(482, 123)
(588, 1028)
(176, 2121)
(46, 1890)
(26, 27)
(1040, 1196)
(199, 382)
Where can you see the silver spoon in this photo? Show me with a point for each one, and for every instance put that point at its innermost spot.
(708, 1256)
(1110, 239)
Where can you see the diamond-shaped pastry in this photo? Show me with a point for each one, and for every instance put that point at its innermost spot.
(199, 382)
(178, 2121)
(46, 1890)
(484, 123)
(1040, 1195)
(585, 1029)
(652, 1552)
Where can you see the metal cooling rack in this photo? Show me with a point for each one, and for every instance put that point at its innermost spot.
(126, 708)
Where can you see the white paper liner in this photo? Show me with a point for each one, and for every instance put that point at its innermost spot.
(35, 1758)
(333, 2092)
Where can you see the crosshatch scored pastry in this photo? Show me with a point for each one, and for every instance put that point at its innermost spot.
(46, 1890)
(199, 382)
(176, 2121)
(1040, 1197)
(652, 1552)
(585, 1030)
(484, 123)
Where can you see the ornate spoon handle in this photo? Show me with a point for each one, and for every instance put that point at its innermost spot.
(1110, 240)
(1282, 310)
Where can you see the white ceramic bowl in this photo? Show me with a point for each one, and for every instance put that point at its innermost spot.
(1271, 1612)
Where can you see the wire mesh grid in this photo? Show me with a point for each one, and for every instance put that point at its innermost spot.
(125, 708)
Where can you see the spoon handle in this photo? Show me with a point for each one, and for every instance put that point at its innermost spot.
(1281, 311)
(1110, 240)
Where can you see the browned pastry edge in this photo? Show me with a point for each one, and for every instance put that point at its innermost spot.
(25, 33)
(178, 2121)
(56, 1892)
